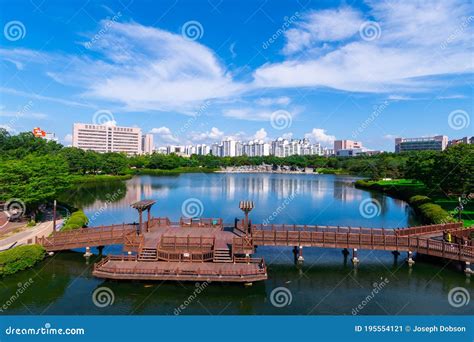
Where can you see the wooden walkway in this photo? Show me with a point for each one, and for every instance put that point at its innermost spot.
(207, 249)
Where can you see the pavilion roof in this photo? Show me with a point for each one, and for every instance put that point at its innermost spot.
(143, 205)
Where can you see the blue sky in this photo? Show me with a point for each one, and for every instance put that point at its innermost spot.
(200, 71)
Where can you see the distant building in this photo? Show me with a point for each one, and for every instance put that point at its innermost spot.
(147, 144)
(465, 140)
(436, 143)
(229, 148)
(39, 133)
(346, 145)
(107, 138)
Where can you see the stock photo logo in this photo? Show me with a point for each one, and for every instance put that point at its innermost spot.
(192, 30)
(370, 208)
(103, 297)
(459, 119)
(103, 117)
(370, 30)
(14, 30)
(192, 208)
(281, 297)
(281, 119)
(458, 297)
(13, 209)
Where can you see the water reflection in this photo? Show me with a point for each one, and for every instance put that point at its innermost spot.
(314, 199)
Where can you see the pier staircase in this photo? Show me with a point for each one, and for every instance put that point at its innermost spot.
(148, 254)
(222, 254)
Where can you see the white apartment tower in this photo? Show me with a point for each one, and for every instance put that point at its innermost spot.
(107, 138)
(147, 144)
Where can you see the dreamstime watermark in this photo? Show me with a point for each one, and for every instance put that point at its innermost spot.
(281, 297)
(46, 330)
(370, 208)
(378, 109)
(191, 298)
(463, 201)
(22, 287)
(109, 199)
(103, 296)
(288, 21)
(458, 119)
(377, 287)
(99, 35)
(192, 208)
(192, 120)
(13, 209)
(370, 30)
(192, 30)
(19, 115)
(103, 117)
(458, 297)
(14, 30)
(286, 202)
(281, 119)
(457, 32)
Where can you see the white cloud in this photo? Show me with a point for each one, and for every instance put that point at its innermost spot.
(269, 101)
(250, 114)
(164, 134)
(147, 68)
(213, 135)
(320, 26)
(417, 40)
(261, 134)
(67, 138)
(320, 135)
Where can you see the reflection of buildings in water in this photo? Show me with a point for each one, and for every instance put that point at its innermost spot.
(260, 186)
(135, 191)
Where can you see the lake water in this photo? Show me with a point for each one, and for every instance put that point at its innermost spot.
(324, 284)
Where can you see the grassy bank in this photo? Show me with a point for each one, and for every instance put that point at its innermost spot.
(20, 258)
(76, 179)
(328, 171)
(432, 209)
(177, 171)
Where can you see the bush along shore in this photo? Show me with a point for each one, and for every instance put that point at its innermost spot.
(20, 258)
(414, 193)
(77, 220)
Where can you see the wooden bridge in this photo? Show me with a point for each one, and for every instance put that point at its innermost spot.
(208, 249)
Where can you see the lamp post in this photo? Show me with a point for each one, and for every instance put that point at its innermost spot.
(246, 207)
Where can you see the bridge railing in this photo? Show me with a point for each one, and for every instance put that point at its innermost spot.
(363, 241)
(427, 229)
(312, 228)
(186, 243)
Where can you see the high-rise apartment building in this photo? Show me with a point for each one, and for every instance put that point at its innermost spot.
(107, 138)
(147, 144)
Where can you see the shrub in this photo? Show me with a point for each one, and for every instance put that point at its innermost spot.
(20, 258)
(77, 220)
(418, 200)
(434, 213)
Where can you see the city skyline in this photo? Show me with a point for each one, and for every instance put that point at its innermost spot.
(194, 78)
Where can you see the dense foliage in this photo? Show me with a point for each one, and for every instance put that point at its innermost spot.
(77, 220)
(20, 258)
(37, 171)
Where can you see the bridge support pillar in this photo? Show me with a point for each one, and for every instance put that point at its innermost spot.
(88, 252)
(396, 254)
(345, 253)
(467, 268)
(355, 259)
(300, 259)
(101, 249)
(410, 260)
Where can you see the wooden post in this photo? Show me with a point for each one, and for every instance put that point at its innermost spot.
(148, 220)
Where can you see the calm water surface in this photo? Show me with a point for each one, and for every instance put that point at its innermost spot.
(325, 284)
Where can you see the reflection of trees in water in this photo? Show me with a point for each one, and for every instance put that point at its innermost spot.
(87, 194)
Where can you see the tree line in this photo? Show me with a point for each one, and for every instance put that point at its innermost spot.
(37, 170)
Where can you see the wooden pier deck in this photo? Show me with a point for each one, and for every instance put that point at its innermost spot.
(209, 250)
